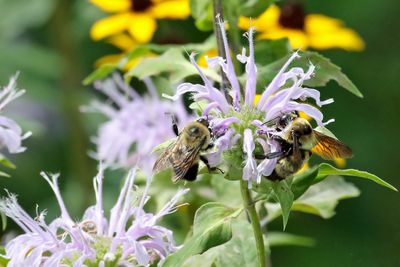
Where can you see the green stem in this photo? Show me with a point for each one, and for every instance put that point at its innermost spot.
(217, 11)
(255, 222)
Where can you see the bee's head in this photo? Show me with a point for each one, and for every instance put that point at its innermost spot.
(301, 127)
(286, 119)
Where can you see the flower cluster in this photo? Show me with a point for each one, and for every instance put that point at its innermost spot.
(130, 237)
(11, 135)
(136, 124)
(239, 126)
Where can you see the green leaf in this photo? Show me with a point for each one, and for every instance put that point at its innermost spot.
(3, 221)
(3, 260)
(202, 12)
(320, 199)
(302, 181)
(212, 227)
(325, 169)
(239, 251)
(172, 63)
(6, 162)
(276, 239)
(285, 197)
(253, 8)
(101, 73)
(267, 51)
(325, 72)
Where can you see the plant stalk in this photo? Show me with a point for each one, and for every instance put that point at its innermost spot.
(255, 223)
(217, 12)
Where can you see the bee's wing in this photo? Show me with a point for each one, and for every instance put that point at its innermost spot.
(163, 161)
(330, 148)
(183, 158)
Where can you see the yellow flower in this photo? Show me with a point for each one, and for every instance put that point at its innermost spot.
(126, 43)
(312, 30)
(137, 17)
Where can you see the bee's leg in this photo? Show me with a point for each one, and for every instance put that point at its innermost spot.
(296, 148)
(210, 169)
(174, 124)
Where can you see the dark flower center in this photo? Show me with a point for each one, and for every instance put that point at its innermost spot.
(140, 5)
(292, 16)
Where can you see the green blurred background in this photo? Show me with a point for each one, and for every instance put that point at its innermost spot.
(48, 42)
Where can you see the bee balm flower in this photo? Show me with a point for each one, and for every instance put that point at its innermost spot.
(130, 237)
(239, 126)
(136, 124)
(11, 135)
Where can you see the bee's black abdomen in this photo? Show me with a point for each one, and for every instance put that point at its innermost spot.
(274, 177)
(191, 174)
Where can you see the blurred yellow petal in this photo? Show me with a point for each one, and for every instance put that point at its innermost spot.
(316, 23)
(133, 62)
(341, 163)
(142, 27)
(172, 9)
(123, 41)
(256, 98)
(108, 59)
(112, 5)
(264, 22)
(297, 38)
(343, 38)
(111, 25)
(202, 60)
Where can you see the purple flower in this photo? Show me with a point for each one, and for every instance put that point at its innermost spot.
(130, 237)
(136, 123)
(11, 135)
(240, 125)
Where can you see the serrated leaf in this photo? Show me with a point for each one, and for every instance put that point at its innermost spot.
(285, 197)
(320, 199)
(325, 169)
(302, 181)
(325, 72)
(253, 8)
(212, 227)
(277, 239)
(172, 63)
(202, 12)
(99, 74)
(239, 251)
(267, 51)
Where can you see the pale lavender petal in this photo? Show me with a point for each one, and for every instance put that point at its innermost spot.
(250, 172)
(276, 83)
(230, 70)
(251, 71)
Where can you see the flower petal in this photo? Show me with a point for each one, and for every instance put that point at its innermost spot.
(123, 41)
(142, 27)
(110, 25)
(112, 6)
(172, 9)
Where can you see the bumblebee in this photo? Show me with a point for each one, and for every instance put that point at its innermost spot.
(297, 141)
(183, 155)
